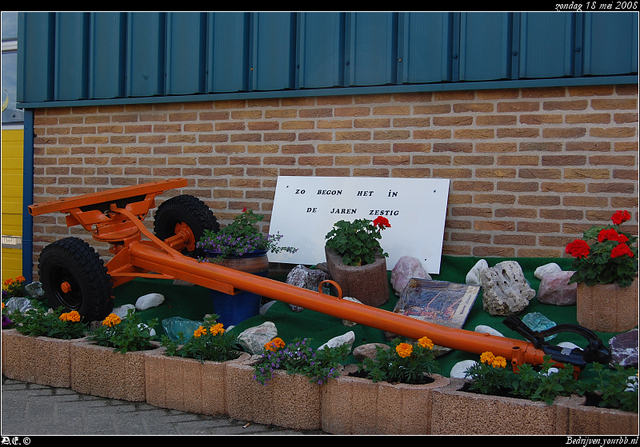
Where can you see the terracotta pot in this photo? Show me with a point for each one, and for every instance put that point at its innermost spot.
(608, 307)
(354, 405)
(368, 283)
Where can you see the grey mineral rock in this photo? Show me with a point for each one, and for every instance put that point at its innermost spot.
(505, 290)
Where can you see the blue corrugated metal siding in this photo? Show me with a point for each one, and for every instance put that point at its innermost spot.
(70, 56)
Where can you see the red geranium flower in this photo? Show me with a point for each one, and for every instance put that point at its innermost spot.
(609, 234)
(382, 222)
(620, 216)
(621, 250)
(578, 248)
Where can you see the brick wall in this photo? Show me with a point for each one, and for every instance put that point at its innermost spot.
(530, 169)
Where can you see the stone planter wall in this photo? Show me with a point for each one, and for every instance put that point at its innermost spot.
(99, 371)
(345, 405)
(607, 307)
(286, 401)
(41, 360)
(352, 405)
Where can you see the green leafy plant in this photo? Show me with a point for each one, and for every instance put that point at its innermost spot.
(40, 322)
(358, 241)
(239, 238)
(127, 334)
(407, 363)
(614, 388)
(208, 343)
(611, 258)
(298, 357)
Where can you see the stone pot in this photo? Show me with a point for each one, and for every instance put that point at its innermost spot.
(355, 405)
(100, 371)
(42, 360)
(186, 384)
(607, 307)
(368, 283)
(287, 400)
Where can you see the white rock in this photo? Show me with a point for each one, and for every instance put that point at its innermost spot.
(149, 300)
(568, 344)
(458, 370)
(354, 300)
(254, 338)
(473, 276)
(483, 329)
(122, 311)
(347, 338)
(546, 269)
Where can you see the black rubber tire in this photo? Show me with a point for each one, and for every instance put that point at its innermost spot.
(184, 209)
(75, 262)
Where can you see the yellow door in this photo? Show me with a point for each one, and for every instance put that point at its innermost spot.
(12, 142)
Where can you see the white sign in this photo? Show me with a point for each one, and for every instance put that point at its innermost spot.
(305, 209)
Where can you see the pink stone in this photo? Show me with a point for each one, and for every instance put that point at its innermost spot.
(555, 289)
(406, 268)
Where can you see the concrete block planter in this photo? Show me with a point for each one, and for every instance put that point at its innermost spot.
(456, 412)
(41, 360)
(286, 401)
(99, 371)
(581, 419)
(353, 405)
(186, 384)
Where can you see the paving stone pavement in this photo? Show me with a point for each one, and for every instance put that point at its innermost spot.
(29, 409)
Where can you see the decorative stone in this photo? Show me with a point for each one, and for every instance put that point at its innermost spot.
(35, 290)
(555, 289)
(122, 311)
(345, 339)
(543, 270)
(306, 278)
(624, 349)
(149, 300)
(473, 276)
(406, 268)
(368, 351)
(458, 371)
(505, 289)
(254, 338)
(484, 329)
(538, 322)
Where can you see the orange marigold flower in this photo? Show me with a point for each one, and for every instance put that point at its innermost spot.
(499, 362)
(72, 316)
(200, 331)
(487, 357)
(111, 320)
(426, 342)
(274, 344)
(404, 349)
(216, 329)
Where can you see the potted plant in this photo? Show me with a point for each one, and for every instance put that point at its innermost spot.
(241, 246)
(118, 345)
(356, 261)
(283, 385)
(38, 349)
(190, 375)
(389, 394)
(606, 270)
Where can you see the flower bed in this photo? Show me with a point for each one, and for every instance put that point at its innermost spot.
(342, 405)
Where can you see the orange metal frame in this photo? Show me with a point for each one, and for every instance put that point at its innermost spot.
(116, 216)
